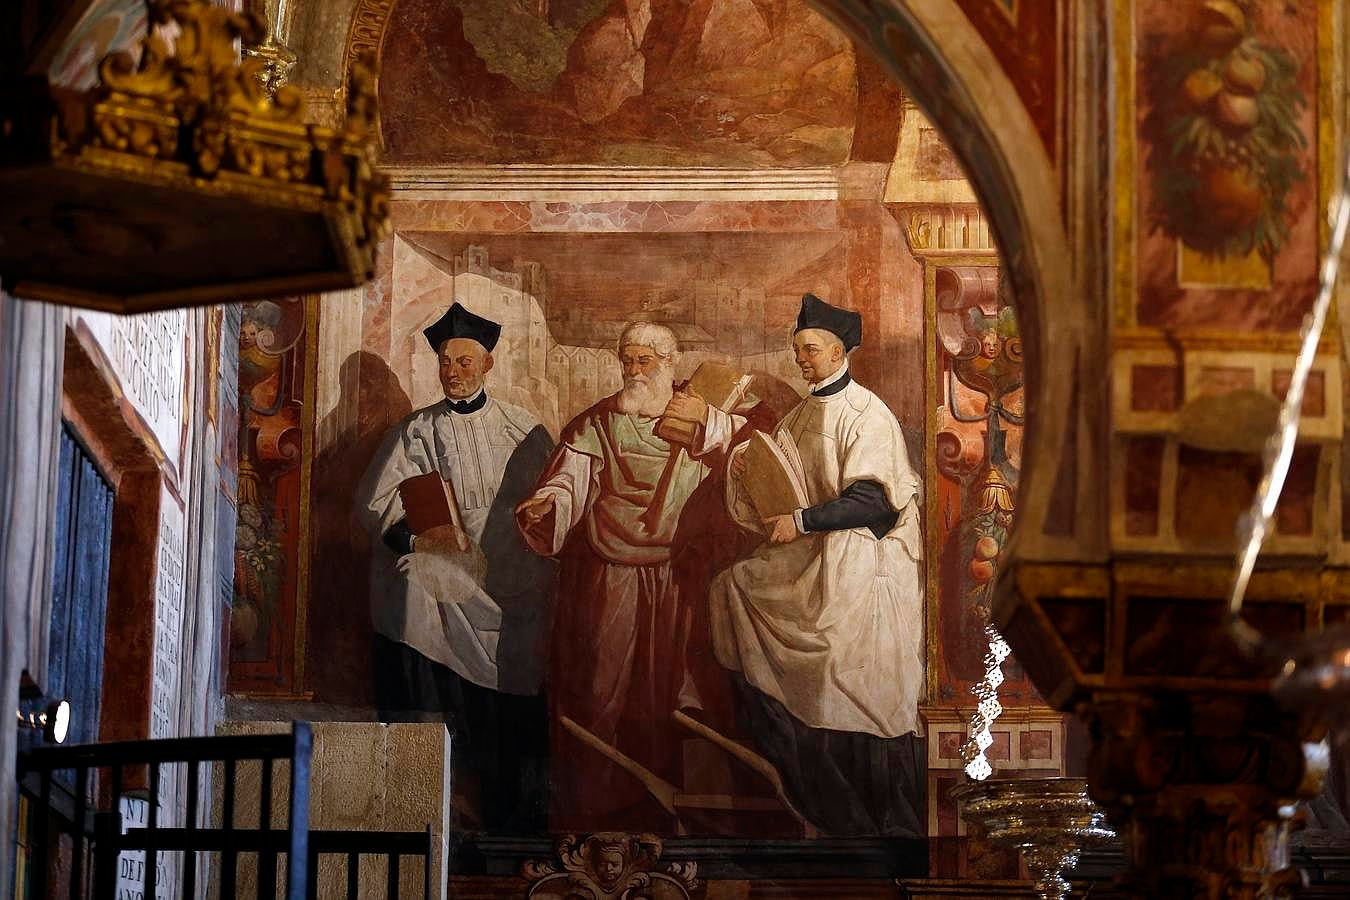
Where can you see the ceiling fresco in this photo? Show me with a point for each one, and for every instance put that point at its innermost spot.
(734, 83)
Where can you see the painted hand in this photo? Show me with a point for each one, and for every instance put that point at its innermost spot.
(533, 510)
(443, 539)
(687, 408)
(781, 529)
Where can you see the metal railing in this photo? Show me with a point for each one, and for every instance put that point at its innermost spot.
(88, 810)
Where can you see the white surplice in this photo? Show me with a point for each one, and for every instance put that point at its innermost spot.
(430, 602)
(831, 624)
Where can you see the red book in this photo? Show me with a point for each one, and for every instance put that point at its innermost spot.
(429, 501)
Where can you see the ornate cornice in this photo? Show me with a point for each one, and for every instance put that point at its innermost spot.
(579, 184)
(945, 229)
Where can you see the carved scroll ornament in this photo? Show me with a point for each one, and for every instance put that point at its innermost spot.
(610, 866)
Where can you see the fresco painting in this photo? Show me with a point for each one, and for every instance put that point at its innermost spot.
(978, 455)
(108, 26)
(559, 330)
(271, 553)
(735, 82)
(527, 515)
(1228, 103)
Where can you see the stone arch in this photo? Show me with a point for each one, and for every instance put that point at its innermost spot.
(932, 48)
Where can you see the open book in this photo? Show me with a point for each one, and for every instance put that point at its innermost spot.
(720, 386)
(773, 475)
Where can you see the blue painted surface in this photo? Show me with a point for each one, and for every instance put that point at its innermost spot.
(82, 540)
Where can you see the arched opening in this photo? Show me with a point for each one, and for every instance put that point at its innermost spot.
(622, 169)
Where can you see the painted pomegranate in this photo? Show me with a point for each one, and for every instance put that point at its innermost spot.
(981, 570)
(1244, 74)
(1236, 111)
(986, 548)
(1201, 86)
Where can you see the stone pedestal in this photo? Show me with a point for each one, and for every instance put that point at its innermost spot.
(365, 776)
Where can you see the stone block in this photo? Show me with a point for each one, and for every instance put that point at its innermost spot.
(365, 776)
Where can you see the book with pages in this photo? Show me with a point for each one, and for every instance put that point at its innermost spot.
(773, 476)
(719, 385)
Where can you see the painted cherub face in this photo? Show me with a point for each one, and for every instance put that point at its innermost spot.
(990, 344)
(608, 867)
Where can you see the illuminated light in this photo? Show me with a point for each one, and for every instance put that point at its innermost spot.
(53, 722)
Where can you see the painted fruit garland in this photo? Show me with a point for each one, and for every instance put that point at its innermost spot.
(1225, 133)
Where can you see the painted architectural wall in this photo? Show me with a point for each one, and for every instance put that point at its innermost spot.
(563, 254)
(143, 395)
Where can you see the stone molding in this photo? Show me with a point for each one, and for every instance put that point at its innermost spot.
(601, 184)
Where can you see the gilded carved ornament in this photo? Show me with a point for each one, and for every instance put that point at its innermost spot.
(610, 866)
(178, 152)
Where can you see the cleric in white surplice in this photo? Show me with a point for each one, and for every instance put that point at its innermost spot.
(458, 632)
(823, 625)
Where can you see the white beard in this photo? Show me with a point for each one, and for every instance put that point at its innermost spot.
(647, 396)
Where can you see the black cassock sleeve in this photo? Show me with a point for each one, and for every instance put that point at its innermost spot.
(863, 504)
(399, 537)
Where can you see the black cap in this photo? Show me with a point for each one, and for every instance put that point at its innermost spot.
(458, 322)
(842, 323)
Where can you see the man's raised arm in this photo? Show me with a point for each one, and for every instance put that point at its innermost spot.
(558, 503)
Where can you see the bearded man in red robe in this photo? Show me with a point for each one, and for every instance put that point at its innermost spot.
(608, 505)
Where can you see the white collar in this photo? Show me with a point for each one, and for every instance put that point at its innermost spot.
(839, 373)
(471, 399)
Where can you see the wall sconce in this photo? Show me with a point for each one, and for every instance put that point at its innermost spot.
(54, 721)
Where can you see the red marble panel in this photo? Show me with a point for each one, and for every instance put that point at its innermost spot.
(1081, 623)
(1295, 514)
(1024, 37)
(1036, 744)
(949, 744)
(1001, 748)
(1213, 489)
(1155, 388)
(1219, 380)
(1153, 623)
(1314, 395)
(948, 812)
(1143, 480)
